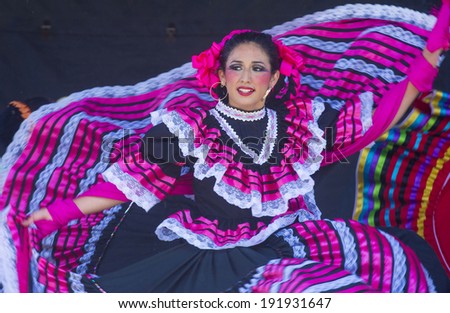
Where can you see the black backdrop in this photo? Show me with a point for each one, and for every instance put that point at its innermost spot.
(53, 48)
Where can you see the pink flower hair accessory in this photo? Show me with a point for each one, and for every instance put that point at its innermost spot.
(207, 63)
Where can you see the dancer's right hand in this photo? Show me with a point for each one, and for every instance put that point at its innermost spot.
(43, 222)
(41, 214)
(53, 217)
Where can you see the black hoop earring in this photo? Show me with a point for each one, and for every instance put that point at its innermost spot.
(211, 91)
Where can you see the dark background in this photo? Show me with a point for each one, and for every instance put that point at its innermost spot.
(122, 42)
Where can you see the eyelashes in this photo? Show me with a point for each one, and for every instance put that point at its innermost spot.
(255, 68)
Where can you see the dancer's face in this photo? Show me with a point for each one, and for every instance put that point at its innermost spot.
(247, 76)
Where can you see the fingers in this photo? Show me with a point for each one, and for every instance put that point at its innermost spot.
(35, 216)
(28, 221)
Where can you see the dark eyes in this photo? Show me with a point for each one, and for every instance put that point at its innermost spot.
(259, 68)
(235, 67)
(256, 68)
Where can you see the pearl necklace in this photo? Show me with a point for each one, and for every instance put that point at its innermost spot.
(239, 114)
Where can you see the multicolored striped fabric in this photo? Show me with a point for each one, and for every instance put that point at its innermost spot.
(63, 148)
(401, 176)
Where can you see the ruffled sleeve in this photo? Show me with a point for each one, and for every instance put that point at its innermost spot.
(344, 129)
(149, 175)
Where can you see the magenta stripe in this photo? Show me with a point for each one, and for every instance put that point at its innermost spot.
(304, 278)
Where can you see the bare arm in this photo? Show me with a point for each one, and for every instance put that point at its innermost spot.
(412, 92)
(438, 41)
(90, 205)
(87, 205)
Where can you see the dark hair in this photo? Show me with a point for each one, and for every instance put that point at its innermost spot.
(261, 39)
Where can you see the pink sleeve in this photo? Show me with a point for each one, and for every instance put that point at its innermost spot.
(105, 190)
(422, 74)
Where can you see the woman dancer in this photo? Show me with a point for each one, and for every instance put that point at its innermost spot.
(253, 213)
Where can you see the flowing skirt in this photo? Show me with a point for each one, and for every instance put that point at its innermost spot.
(313, 256)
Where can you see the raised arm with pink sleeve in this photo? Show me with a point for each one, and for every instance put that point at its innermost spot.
(421, 75)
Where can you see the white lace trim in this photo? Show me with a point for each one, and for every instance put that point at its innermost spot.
(240, 115)
(330, 46)
(302, 186)
(293, 241)
(8, 270)
(313, 212)
(349, 11)
(171, 229)
(349, 245)
(132, 189)
(75, 283)
(178, 127)
(36, 286)
(312, 81)
(316, 144)
(156, 116)
(253, 200)
(47, 246)
(399, 264)
(317, 107)
(369, 69)
(398, 33)
(269, 140)
(366, 110)
(333, 103)
(430, 282)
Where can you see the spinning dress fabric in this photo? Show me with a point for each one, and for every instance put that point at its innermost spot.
(251, 222)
